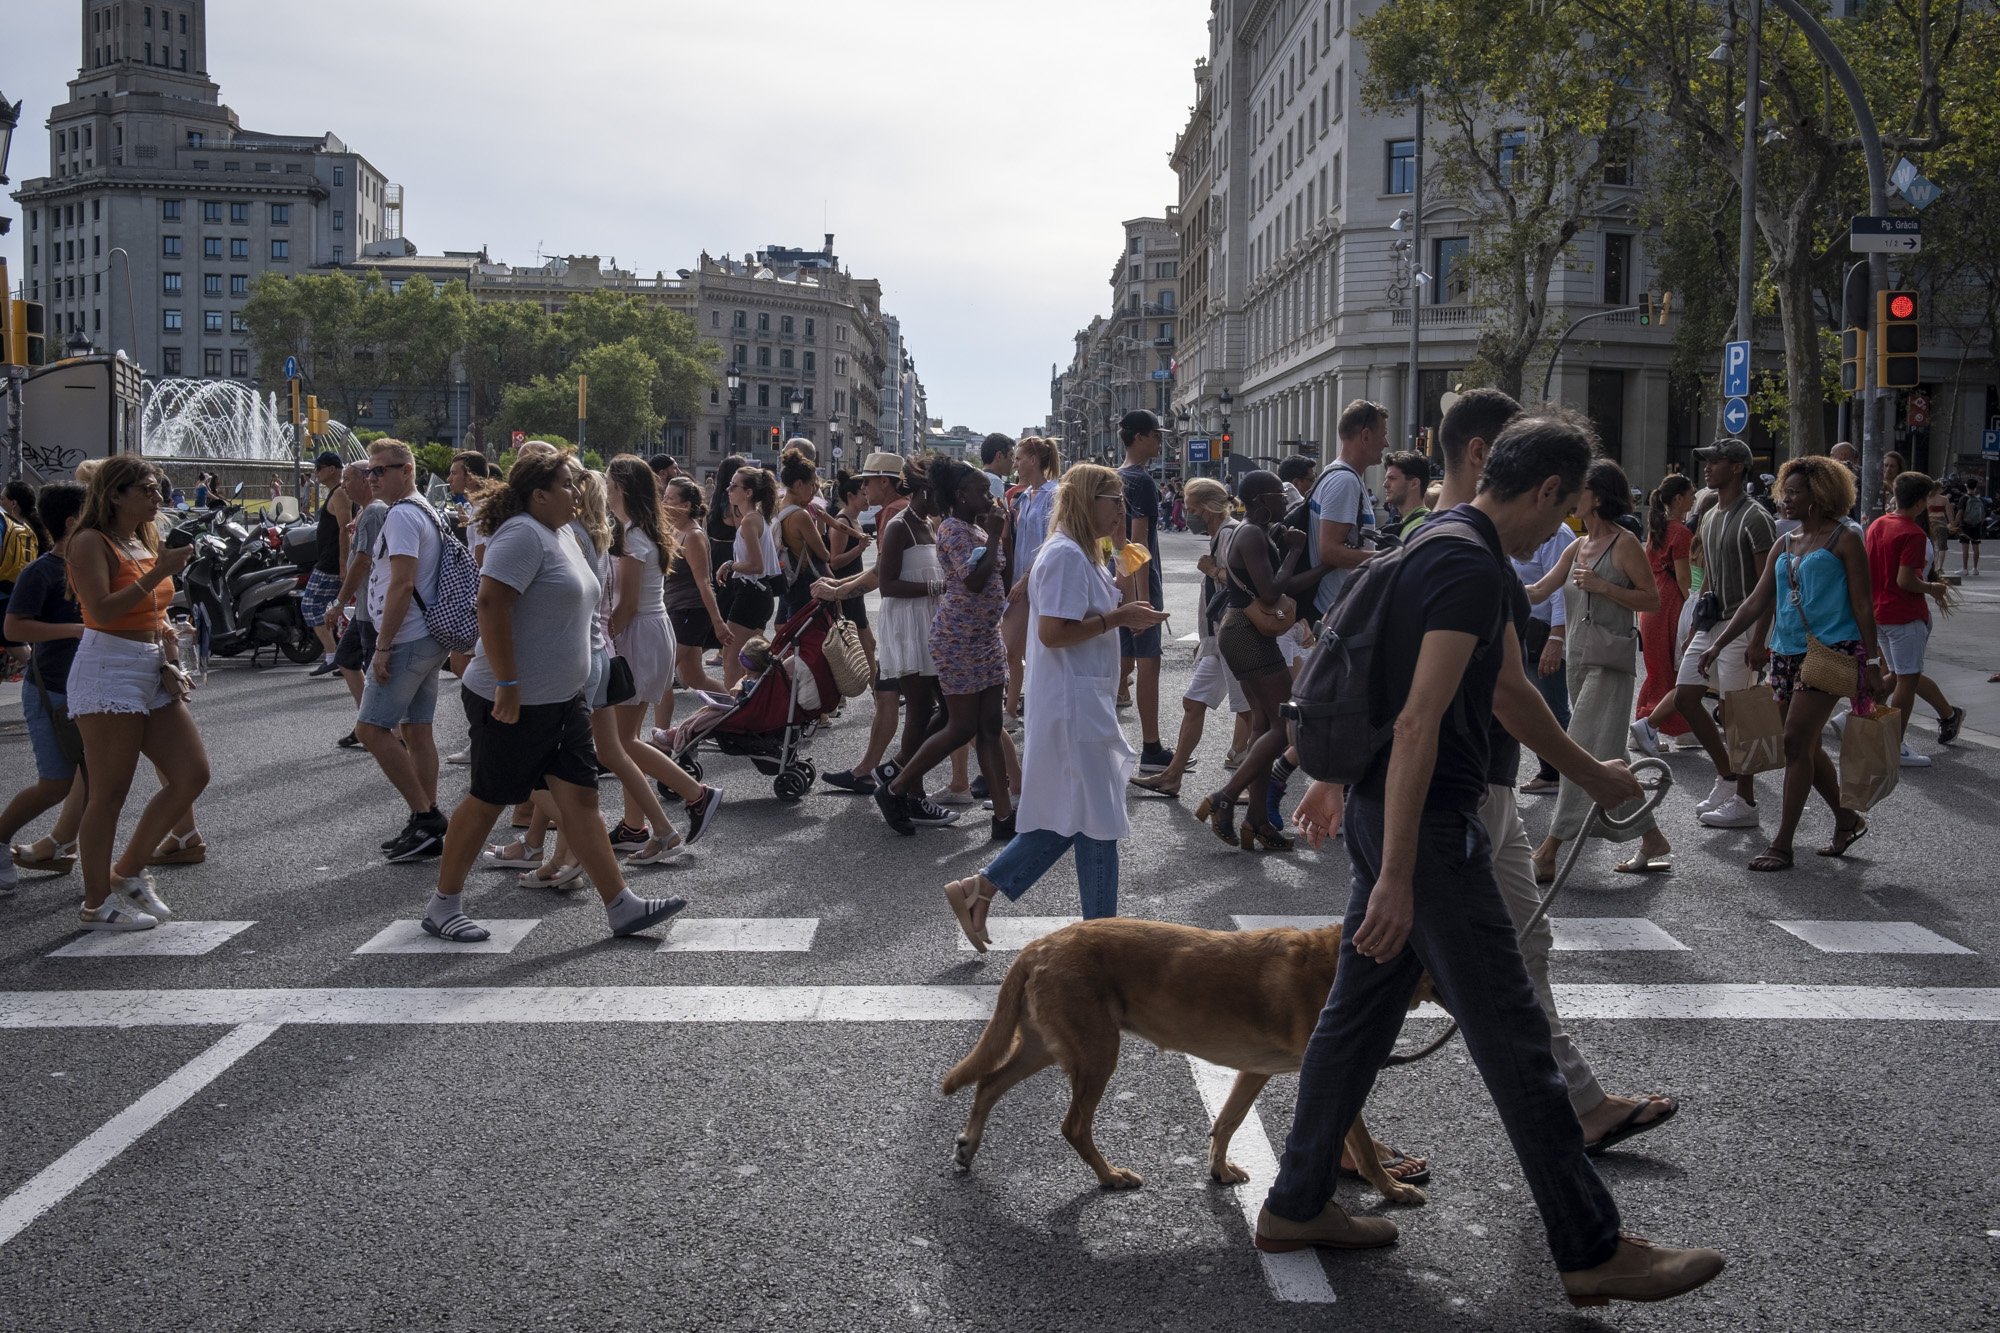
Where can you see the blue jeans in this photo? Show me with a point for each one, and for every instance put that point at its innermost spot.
(1554, 688)
(1461, 934)
(1028, 857)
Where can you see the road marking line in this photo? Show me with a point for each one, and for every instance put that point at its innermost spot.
(1612, 933)
(1295, 922)
(60, 1178)
(880, 1004)
(169, 939)
(1298, 1276)
(1011, 933)
(1870, 937)
(738, 934)
(409, 937)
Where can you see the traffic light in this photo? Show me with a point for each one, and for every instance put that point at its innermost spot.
(1225, 442)
(1853, 355)
(296, 418)
(316, 420)
(1898, 354)
(1666, 307)
(1646, 310)
(23, 333)
(774, 437)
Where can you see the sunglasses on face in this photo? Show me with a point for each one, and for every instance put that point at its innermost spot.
(146, 488)
(381, 470)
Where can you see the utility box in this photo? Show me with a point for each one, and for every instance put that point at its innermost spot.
(83, 407)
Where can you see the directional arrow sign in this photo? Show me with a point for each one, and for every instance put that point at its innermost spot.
(1735, 416)
(291, 367)
(1736, 370)
(1900, 236)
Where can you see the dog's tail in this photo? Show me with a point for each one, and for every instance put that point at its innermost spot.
(997, 1040)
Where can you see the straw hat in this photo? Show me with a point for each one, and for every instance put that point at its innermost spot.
(881, 464)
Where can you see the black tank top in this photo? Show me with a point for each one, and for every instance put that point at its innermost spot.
(327, 557)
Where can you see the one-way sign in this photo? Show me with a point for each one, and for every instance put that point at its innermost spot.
(1901, 236)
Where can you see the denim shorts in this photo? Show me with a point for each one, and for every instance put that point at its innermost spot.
(51, 764)
(411, 694)
(114, 675)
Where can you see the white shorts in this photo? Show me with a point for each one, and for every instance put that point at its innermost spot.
(1903, 646)
(1292, 646)
(114, 675)
(1731, 671)
(1213, 684)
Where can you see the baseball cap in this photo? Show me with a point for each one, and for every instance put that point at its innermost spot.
(1725, 451)
(328, 458)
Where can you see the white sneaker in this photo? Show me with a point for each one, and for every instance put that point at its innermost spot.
(1644, 739)
(950, 797)
(1732, 813)
(1687, 740)
(463, 757)
(140, 896)
(1720, 793)
(110, 916)
(1911, 759)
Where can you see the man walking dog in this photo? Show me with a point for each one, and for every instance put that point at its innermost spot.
(1423, 898)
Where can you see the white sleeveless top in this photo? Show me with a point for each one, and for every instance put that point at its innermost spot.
(652, 579)
(767, 546)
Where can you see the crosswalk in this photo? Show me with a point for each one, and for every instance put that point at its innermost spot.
(799, 935)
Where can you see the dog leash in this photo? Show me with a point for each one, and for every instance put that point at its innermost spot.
(1598, 815)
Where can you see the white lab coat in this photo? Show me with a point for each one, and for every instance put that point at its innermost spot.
(1075, 761)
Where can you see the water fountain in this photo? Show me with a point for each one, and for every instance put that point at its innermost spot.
(223, 426)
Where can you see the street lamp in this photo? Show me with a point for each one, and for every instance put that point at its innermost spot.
(10, 116)
(798, 406)
(833, 441)
(735, 382)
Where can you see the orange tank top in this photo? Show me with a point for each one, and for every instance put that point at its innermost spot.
(149, 614)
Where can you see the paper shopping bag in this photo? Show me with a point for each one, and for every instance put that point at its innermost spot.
(1753, 730)
(1870, 758)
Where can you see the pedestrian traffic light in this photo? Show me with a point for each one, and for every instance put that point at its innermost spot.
(1898, 351)
(774, 437)
(23, 333)
(1225, 442)
(1853, 354)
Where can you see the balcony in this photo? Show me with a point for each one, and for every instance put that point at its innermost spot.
(1442, 316)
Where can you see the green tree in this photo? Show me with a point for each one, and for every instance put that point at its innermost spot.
(322, 319)
(506, 342)
(684, 363)
(1524, 121)
(417, 333)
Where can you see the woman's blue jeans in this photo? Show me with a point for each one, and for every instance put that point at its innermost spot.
(1030, 855)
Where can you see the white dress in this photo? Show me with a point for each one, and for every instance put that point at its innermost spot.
(647, 643)
(903, 624)
(1075, 759)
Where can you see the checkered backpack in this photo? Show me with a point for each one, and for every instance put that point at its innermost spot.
(452, 614)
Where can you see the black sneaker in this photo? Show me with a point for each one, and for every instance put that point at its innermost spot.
(1948, 726)
(980, 791)
(417, 842)
(1003, 829)
(847, 782)
(326, 667)
(923, 810)
(349, 742)
(895, 811)
(1155, 758)
(625, 838)
(701, 812)
(886, 771)
(401, 833)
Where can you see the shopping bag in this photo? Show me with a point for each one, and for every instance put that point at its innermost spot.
(1870, 758)
(1753, 730)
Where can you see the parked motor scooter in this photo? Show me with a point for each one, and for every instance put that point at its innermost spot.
(244, 597)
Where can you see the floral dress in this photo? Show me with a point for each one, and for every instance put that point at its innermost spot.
(965, 632)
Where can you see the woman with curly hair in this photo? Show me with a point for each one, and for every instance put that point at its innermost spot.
(525, 696)
(1816, 581)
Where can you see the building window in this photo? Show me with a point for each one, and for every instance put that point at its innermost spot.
(239, 248)
(211, 321)
(742, 319)
(810, 361)
(211, 247)
(339, 220)
(1167, 269)
(1617, 268)
(281, 215)
(170, 284)
(239, 362)
(201, 164)
(232, 166)
(149, 16)
(763, 395)
(808, 395)
(785, 324)
(211, 210)
(1510, 145)
(239, 284)
(763, 322)
(339, 256)
(741, 355)
(764, 357)
(211, 361)
(170, 247)
(170, 210)
(840, 400)
(784, 358)
(840, 333)
(170, 321)
(715, 319)
(238, 324)
(263, 166)
(714, 396)
(809, 327)
(239, 215)
(170, 360)
(1450, 281)
(339, 175)
(396, 286)
(840, 365)
(1137, 245)
(211, 284)
(1614, 152)
(715, 441)
(1402, 167)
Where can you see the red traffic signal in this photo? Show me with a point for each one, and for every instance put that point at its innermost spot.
(1902, 305)
(1225, 442)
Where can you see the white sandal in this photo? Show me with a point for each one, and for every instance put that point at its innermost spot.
(59, 862)
(496, 856)
(563, 881)
(656, 853)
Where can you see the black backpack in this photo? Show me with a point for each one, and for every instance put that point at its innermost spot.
(1337, 709)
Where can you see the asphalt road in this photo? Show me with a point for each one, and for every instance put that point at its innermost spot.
(283, 1133)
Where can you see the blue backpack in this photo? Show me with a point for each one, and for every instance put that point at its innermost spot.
(451, 616)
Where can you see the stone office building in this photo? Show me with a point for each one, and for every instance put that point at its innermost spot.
(159, 210)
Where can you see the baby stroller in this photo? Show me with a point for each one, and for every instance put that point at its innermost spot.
(777, 720)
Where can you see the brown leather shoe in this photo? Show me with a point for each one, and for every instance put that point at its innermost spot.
(1333, 1229)
(1642, 1271)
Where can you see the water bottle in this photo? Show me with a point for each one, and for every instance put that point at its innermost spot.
(186, 649)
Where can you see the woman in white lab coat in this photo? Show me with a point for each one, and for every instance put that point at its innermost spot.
(1076, 760)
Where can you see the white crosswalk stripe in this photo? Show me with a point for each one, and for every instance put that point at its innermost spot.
(169, 939)
(740, 935)
(409, 937)
(1870, 937)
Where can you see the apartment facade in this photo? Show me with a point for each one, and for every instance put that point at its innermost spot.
(1126, 359)
(159, 210)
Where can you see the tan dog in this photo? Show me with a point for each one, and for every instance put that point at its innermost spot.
(1247, 1000)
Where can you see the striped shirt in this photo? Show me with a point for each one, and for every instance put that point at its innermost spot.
(1733, 544)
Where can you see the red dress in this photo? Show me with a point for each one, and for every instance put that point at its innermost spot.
(1659, 631)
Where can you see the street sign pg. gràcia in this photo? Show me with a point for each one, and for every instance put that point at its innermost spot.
(1871, 235)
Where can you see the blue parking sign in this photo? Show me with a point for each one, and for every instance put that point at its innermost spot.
(1736, 370)
(1989, 444)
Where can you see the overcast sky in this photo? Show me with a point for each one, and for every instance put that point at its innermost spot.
(978, 158)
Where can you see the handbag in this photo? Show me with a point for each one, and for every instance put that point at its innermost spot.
(1273, 621)
(1592, 645)
(1825, 668)
(846, 660)
(69, 741)
(619, 686)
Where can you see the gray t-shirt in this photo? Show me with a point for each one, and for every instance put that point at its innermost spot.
(1339, 497)
(552, 616)
(367, 528)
